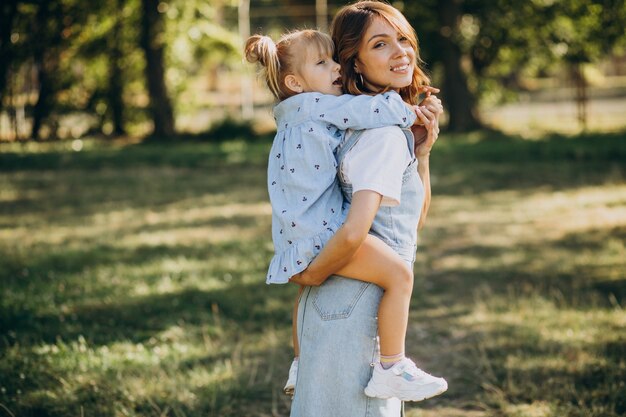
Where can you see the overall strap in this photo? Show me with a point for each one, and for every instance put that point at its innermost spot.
(410, 139)
(348, 142)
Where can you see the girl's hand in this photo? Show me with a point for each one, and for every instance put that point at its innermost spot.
(428, 113)
(428, 90)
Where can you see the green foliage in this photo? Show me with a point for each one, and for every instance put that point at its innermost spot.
(507, 40)
(79, 38)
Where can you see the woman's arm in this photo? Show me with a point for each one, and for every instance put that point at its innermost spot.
(425, 137)
(344, 244)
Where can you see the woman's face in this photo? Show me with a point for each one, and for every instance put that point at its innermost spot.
(385, 57)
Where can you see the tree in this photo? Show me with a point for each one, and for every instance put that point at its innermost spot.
(483, 47)
(152, 43)
(8, 13)
(115, 88)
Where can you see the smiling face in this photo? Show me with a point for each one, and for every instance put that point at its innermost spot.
(385, 57)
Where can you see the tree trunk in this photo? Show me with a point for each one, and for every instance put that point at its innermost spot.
(8, 11)
(152, 44)
(42, 107)
(116, 88)
(459, 100)
(580, 84)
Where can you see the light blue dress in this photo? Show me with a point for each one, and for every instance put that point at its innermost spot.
(302, 167)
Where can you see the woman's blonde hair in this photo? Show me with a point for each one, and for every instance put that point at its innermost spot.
(285, 56)
(348, 28)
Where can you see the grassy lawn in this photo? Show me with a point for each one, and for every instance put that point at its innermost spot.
(132, 280)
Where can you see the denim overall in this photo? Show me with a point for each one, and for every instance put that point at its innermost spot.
(337, 321)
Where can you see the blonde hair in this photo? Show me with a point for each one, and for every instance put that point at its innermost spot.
(348, 28)
(285, 57)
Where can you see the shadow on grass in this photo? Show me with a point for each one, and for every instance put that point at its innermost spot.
(489, 366)
(246, 307)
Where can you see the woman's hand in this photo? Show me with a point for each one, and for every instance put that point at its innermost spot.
(427, 132)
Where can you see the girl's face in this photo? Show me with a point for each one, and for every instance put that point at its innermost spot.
(320, 73)
(385, 57)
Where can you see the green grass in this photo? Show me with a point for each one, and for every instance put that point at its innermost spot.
(132, 280)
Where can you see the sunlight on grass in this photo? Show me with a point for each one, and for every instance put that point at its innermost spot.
(137, 288)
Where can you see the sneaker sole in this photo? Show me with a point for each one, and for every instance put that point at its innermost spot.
(383, 393)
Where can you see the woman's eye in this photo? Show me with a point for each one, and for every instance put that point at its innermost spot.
(403, 39)
(379, 44)
(322, 62)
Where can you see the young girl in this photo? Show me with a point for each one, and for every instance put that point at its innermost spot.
(307, 204)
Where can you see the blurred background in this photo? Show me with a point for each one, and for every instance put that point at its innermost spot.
(70, 68)
(135, 226)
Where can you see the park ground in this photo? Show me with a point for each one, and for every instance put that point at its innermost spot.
(132, 279)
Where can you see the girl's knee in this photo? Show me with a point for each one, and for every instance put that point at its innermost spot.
(404, 281)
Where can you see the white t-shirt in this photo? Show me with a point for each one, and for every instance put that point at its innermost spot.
(377, 162)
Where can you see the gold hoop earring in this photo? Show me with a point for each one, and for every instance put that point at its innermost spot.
(361, 78)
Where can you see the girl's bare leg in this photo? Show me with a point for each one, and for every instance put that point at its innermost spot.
(377, 263)
(294, 325)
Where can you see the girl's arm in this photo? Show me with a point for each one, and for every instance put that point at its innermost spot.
(363, 111)
(343, 245)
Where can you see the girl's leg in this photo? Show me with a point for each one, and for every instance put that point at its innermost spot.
(293, 369)
(377, 263)
(294, 326)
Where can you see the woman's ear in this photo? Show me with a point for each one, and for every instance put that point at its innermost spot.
(356, 66)
(293, 83)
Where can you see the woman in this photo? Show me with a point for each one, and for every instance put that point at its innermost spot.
(377, 50)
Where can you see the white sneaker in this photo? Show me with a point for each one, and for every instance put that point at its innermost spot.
(405, 381)
(290, 386)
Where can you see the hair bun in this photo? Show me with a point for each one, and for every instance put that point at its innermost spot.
(261, 49)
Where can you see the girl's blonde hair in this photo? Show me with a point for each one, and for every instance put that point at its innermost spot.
(349, 27)
(286, 56)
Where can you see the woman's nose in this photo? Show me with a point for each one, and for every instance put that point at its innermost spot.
(400, 50)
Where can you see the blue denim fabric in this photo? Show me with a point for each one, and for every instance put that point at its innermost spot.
(337, 321)
(396, 226)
